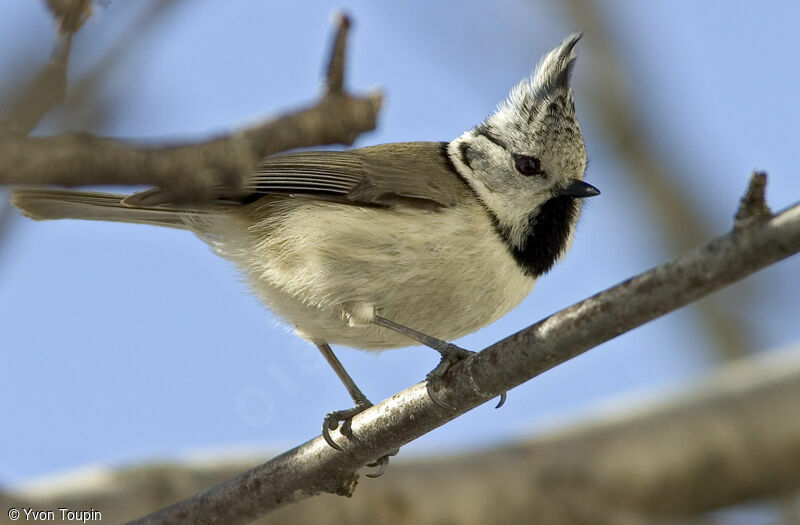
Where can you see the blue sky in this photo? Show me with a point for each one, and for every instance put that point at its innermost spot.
(125, 343)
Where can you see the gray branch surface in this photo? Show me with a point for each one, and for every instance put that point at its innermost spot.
(191, 171)
(314, 467)
(730, 439)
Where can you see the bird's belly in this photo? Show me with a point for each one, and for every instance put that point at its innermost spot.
(326, 268)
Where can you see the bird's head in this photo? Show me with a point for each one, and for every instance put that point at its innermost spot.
(528, 157)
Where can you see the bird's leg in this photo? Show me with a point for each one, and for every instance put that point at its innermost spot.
(332, 419)
(451, 354)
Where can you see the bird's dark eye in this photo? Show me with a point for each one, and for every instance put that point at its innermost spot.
(527, 165)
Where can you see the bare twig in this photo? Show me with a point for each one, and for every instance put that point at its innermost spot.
(85, 106)
(753, 208)
(335, 76)
(315, 467)
(69, 14)
(49, 86)
(190, 171)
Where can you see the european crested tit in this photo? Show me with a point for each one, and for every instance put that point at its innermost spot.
(377, 247)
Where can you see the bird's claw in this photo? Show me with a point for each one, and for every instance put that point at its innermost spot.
(332, 419)
(435, 397)
(502, 401)
(451, 355)
(331, 422)
(381, 463)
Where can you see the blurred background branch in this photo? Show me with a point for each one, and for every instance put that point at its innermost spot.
(49, 86)
(24, 104)
(46, 90)
(611, 101)
(189, 171)
(85, 107)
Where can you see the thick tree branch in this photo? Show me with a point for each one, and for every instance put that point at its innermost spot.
(730, 439)
(315, 467)
(191, 171)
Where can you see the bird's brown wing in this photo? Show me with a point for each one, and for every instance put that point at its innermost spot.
(415, 174)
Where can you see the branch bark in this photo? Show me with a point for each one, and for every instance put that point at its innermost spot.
(191, 171)
(315, 467)
(732, 438)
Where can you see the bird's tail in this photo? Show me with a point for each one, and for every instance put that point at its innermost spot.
(47, 204)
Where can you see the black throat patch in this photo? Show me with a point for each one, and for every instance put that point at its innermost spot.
(548, 233)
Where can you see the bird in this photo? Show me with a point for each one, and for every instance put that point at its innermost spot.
(389, 245)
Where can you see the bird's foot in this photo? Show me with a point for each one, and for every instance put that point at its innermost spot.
(451, 354)
(332, 420)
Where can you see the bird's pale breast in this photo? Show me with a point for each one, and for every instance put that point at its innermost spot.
(325, 267)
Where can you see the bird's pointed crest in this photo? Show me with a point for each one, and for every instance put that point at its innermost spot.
(549, 80)
(555, 68)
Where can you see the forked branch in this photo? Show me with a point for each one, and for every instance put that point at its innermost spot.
(191, 171)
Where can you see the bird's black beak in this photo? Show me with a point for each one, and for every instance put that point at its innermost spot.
(577, 189)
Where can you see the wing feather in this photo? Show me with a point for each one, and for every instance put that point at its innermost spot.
(412, 173)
